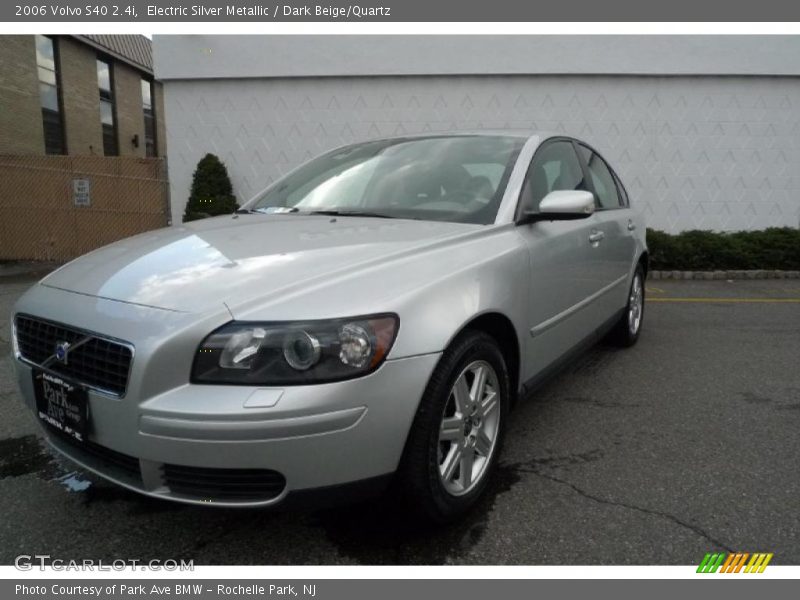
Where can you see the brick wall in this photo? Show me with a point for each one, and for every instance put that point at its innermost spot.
(21, 129)
(81, 97)
(130, 118)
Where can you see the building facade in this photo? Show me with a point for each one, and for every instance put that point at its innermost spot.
(82, 144)
(704, 130)
(80, 95)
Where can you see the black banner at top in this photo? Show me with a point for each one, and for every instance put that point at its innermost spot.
(398, 11)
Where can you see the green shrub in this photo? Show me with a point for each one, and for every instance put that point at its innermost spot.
(212, 191)
(696, 250)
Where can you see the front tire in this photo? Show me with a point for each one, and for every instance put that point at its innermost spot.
(626, 331)
(455, 439)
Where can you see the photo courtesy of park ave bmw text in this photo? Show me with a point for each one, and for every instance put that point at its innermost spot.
(515, 300)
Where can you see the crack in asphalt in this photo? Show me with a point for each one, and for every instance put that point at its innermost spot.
(583, 400)
(648, 511)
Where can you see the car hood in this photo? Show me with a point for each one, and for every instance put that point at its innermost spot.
(234, 260)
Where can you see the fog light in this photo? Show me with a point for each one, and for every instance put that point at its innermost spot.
(301, 350)
(355, 345)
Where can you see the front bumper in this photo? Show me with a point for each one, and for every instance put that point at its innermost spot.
(196, 443)
(312, 436)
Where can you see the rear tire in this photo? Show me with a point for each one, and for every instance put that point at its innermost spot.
(626, 332)
(455, 439)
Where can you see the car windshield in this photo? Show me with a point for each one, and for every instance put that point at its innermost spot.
(448, 178)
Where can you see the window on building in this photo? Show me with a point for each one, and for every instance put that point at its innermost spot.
(50, 96)
(105, 83)
(149, 118)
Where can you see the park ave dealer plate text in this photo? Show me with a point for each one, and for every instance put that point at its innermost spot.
(61, 404)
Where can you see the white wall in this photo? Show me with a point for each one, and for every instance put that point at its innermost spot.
(699, 151)
(247, 56)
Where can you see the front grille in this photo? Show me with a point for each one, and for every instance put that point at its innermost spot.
(99, 363)
(224, 484)
(105, 456)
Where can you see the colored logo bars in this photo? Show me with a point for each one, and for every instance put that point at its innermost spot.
(734, 562)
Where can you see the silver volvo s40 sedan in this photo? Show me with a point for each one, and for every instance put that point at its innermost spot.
(367, 320)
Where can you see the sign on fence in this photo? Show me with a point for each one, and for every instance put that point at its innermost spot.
(80, 192)
(58, 207)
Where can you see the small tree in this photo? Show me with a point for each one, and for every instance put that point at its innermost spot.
(212, 192)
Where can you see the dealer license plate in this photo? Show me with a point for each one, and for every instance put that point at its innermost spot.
(61, 404)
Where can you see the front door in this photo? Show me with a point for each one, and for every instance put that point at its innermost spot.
(566, 260)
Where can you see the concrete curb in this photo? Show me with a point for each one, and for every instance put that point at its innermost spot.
(724, 275)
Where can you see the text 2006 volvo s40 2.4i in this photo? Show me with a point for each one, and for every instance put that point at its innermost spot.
(367, 319)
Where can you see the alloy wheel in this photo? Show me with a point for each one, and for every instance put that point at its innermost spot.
(469, 429)
(635, 304)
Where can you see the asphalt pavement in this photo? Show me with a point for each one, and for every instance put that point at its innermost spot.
(684, 444)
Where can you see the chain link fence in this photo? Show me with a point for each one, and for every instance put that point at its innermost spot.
(54, 208)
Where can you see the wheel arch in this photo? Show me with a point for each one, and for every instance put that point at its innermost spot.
(499, 327)
(644, 260)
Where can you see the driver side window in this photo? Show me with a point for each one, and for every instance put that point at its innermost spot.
(554, 168)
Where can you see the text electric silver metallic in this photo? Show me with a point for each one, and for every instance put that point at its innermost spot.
(370, 317)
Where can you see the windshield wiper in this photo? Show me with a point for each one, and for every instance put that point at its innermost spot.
(349, 213)
(332, 212)
(268, 210)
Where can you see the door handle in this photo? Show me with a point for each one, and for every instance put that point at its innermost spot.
(596, 237)
(631, 225)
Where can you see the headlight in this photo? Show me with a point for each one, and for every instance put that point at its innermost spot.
(295, 353)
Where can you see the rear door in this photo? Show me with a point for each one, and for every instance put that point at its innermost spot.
(615, 224)
(563, 259)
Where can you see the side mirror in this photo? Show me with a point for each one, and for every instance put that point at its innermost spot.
(562, 205)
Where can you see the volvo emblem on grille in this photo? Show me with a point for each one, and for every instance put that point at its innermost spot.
(62, 352)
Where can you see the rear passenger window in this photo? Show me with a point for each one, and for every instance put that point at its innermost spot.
(602, 180)
(623, 194)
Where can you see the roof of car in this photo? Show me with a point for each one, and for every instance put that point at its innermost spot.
(517, 133)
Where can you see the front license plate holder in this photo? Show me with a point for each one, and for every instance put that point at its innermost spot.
(61, 404)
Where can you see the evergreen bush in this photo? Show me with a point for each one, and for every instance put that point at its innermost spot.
(212, 191)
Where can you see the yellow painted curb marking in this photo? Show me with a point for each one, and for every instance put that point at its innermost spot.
(734, 300)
